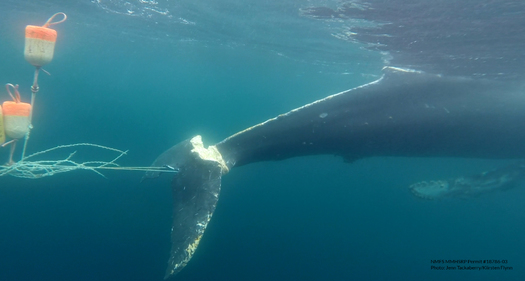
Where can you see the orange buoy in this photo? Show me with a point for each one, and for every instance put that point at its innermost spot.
(2, 133)
(16, 118)
(40, 42)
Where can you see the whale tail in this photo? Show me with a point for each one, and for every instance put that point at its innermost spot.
(195, 190)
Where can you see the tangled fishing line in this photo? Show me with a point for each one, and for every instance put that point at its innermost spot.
(45, 168)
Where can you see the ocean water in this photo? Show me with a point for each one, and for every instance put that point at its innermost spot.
(145, 75)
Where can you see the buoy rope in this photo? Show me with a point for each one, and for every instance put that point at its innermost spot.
(34, 88)
(34, 91)
(16, 97)
(49, 23)
(7, 143)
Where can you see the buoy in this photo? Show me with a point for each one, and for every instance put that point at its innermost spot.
(40, 45)
(16, 118)
(40, 42)
(17, 114)
(2, 132)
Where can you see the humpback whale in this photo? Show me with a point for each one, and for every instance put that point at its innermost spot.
(457, 93)
(404, 113)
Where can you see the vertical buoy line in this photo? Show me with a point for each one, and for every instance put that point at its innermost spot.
(38, 51)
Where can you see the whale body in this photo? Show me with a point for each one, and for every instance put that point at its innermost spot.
(404, 113)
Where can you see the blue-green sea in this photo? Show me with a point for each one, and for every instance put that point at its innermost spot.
(142, 76)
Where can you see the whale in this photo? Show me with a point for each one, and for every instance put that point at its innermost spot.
(405, 113)
(452, 86)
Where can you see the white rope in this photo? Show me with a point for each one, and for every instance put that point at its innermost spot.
(45, 168)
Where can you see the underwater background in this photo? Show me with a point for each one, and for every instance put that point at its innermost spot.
(145, 75)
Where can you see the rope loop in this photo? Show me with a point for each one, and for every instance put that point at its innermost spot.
(49, 23)
(16, 97)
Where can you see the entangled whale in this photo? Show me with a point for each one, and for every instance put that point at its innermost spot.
(404, 113)
(457, 91)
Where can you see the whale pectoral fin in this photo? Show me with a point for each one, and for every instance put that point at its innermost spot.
(472, 186)
(195, 194)
(195, 189)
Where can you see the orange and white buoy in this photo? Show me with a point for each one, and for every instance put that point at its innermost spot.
(40, 42)
(2, 132)
(17, 115)
(16, 118)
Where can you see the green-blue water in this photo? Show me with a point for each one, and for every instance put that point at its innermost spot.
(145, 83)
